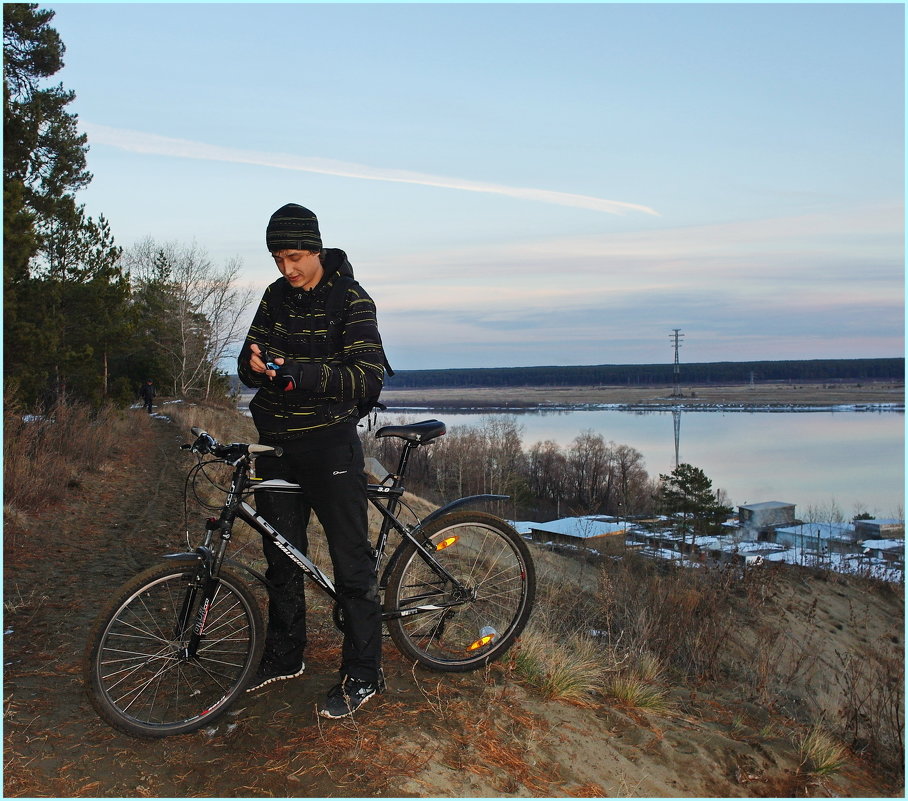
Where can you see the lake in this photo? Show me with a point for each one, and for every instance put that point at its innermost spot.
(809, 458)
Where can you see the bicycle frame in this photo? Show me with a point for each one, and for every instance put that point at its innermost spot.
(384, 497)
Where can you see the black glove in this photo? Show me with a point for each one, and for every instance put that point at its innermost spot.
(289, 375)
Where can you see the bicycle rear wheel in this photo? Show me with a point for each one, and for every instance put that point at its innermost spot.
(447, 628)
(138, 674)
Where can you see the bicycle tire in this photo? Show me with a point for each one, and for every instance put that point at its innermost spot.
(135, 675)
(493, 562)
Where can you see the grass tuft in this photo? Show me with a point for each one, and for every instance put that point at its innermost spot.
(632, 690)
(820, 753)
(564, 671)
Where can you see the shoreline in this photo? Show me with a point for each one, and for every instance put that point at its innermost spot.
(881, 397)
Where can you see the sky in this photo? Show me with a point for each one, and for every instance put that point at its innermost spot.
(524, 184)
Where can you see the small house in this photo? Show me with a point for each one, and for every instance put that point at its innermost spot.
(818, 538)
(599, 533)
(879, 529)
(891, 552)
(759, 520)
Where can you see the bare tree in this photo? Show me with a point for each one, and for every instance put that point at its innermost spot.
(192, 309)
(589, 462)
(226, 303)
(547, 472)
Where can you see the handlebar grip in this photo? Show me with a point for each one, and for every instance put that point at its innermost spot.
(196, 431)
(274, 450)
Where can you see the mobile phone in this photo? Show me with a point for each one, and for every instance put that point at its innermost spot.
(268, 359)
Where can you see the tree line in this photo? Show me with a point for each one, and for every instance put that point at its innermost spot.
(807, 370)
(85, 319)
(545, 481)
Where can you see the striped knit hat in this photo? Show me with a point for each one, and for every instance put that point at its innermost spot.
(293, 227)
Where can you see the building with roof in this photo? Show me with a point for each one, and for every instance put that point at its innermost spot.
(879, 529)
(819, 538)
(889, 552)
(759, 520)
(596, 532)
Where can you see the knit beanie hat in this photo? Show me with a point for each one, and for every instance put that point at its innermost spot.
(293, 227)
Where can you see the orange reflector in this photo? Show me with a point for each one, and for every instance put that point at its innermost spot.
(481, 642)
(445, 543)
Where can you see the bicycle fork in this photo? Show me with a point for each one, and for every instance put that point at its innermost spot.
(197, 602)
(205, 583)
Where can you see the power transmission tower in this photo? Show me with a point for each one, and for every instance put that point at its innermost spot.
(676, 338)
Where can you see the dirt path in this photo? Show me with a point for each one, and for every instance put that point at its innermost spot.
(470, 735)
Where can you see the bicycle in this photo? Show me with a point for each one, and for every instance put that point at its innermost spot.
(178, 643)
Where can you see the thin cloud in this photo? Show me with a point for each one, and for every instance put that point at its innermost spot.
(138, 142)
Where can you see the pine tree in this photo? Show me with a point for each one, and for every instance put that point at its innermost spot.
(65, 295)
(686, 494)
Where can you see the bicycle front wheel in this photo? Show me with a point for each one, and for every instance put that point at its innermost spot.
(139, 674)
(464, 625)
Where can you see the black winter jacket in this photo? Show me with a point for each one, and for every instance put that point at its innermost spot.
(335, 372)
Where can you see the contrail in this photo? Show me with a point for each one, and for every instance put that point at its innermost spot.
(138, 142)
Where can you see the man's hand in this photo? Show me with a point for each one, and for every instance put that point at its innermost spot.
(257, 364)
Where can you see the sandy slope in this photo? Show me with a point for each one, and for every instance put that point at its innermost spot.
(470, 735)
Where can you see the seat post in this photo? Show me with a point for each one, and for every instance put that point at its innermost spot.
(405, 457)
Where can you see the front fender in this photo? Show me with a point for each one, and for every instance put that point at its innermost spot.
(207, 557)
(201, 553)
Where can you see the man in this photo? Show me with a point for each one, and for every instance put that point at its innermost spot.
(309, 408)
(147, 393)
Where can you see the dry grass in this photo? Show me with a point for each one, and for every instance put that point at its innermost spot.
(820, 753)
(224, 424)
(565, 670)
(630, 690)
(47, 454)
(635, 685)
(714, 625)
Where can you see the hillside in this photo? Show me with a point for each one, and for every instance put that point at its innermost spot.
(491, 733)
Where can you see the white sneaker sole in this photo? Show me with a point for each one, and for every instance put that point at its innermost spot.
(326, 714)
(276, 678)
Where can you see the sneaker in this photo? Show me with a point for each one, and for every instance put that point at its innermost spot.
(268, 673)
(348, 696)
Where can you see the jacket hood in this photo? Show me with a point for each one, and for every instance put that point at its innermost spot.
(335, 262)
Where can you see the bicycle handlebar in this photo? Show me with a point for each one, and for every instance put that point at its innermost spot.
(205, 443)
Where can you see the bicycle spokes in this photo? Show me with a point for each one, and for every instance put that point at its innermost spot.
(459, 623)
(167, 657)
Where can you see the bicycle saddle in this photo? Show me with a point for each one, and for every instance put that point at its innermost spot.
(415, 432)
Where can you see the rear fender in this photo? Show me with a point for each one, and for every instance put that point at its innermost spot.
(470, 499)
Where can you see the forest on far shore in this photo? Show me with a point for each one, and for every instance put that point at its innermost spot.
(807, 370)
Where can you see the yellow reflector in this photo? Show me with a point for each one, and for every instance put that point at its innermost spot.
(445, 543)
(481, 642)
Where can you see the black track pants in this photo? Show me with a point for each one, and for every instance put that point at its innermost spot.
(334, 487)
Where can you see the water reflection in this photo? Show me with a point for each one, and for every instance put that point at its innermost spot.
(855, 459)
